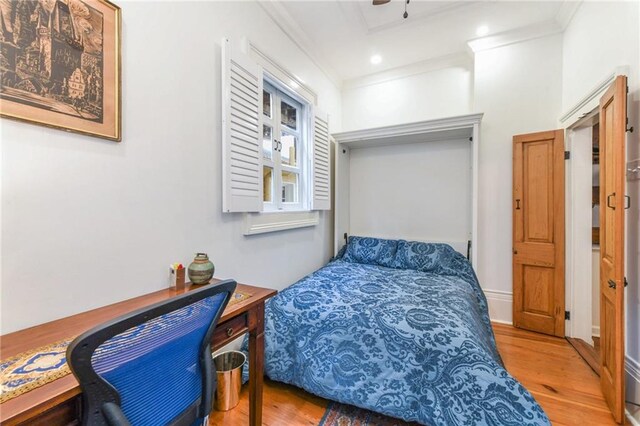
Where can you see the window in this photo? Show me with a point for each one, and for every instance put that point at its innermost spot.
(276, 150)
(284, 149)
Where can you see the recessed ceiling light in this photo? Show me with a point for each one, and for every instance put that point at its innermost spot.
(482, 30)
(376, 59)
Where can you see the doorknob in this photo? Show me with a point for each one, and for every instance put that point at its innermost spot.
(612, 284)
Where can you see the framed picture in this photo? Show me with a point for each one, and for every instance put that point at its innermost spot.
(60, 65)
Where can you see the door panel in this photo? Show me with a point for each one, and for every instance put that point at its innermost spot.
(538, 232)
(538, 191)
(613, 114)
(538, 290)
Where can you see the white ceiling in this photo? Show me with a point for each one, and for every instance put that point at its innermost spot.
(342, 35)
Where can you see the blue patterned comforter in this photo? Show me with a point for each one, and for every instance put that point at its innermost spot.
(409, 344)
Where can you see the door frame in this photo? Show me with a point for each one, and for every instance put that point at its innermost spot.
(574, 121)
(579, 265)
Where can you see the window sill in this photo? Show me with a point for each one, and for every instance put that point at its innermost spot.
(262, 223)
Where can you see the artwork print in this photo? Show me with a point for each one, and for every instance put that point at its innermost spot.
(59, 64)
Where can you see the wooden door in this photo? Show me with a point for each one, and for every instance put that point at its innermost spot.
(538, 232)
(613, 115)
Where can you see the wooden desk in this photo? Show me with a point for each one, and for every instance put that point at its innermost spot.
(59, 402)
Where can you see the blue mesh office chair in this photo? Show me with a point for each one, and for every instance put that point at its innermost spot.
(152, 366)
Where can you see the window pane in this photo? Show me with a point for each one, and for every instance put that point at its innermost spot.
(267, 141)
(289, 187)
(289, 115)
(288, 151)
(266, 103)
(267, 183)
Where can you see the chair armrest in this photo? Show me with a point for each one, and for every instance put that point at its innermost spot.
(114, 415)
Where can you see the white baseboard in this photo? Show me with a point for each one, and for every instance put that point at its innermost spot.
(500, 305)
(633, 420)
(595, 330)
(632, 369)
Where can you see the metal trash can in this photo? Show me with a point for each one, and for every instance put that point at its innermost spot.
(229, 373)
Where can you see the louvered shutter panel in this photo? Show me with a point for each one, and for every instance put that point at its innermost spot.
(321, 163)
(241, 132)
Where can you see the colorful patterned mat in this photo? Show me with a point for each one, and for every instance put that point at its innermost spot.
(347, 415)
(34, 368)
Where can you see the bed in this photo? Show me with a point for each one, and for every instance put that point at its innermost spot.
(400, 328)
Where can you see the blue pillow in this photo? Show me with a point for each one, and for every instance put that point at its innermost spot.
(425, 257)
(371, 251)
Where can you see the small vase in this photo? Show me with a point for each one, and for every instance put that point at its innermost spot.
(201, 269)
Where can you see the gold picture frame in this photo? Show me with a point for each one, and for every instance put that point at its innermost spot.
(60, 65)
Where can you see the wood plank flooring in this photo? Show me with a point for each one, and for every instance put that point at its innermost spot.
(588, 352)
(560, 380)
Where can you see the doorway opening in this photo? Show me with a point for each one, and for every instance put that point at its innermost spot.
(583, 199)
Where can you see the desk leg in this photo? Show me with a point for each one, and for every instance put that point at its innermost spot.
(256, 366)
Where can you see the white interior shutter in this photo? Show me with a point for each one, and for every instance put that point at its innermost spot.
(321, 166)
(241, 132)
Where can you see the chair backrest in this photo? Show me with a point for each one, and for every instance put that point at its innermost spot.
(152, 366)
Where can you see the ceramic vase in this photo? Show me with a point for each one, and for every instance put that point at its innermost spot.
(201, 269)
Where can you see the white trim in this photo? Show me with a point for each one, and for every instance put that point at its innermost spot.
(442, 129)
(292, 82)
(261, 223)
(595, 331)
(578, 249)
(500, 305)
(631, 419)
(632, 369)
(501, 322)
(398, 131)
(594, 94)
(591, 100)
(518, 35)
(460, 59)
(475, 178)
(566, 13)
(278, 13)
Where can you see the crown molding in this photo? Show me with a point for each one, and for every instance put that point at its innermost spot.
(460, 59)
(518, 35)
(567, 10)
(277, 12)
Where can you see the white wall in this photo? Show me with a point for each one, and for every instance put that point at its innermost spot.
(601, 37)
(87, 222)
(518, 87)
(433, 94)
(397, 191)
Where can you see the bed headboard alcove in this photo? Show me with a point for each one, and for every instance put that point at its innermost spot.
(416, 181)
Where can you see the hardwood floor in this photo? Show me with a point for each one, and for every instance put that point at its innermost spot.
(588, 352)
(560, 380)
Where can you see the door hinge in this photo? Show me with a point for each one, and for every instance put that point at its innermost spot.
(567, 315)
(567, 155)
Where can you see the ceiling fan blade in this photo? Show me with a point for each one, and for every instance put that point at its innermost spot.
(379, 2)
